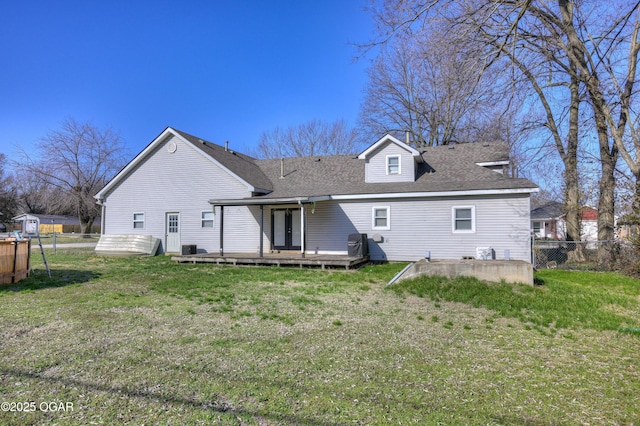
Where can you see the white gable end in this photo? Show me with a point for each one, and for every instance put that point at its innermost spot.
(390, 160)
(171, 142)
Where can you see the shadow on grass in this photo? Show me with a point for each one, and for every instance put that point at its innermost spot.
(220, 405)
(39, 279)
(537, 281)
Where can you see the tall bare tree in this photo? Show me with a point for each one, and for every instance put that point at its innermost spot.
(432, 82)
(555, 45)
(308, 139)
(77, 160)
(542, 67)
(582, 40)
(8, 193)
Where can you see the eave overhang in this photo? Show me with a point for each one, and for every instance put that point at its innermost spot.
(256, 201)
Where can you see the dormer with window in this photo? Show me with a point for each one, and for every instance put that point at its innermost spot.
(390, 160)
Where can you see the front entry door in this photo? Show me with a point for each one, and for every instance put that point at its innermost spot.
(173, 233)
(286, 229)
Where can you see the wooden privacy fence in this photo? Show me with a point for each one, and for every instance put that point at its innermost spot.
(15, 260)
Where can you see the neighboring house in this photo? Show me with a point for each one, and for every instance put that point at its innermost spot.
(548, 222)
(448, 200)
(49, 223)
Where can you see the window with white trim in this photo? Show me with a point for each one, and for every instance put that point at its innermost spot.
(464, 219)
(207, 219)
(381, 218)
(393, 164)
(138, 221)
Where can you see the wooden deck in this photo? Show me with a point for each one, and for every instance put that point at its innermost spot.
(278, 259)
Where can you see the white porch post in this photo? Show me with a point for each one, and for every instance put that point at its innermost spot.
(302, 230)
(261, 230)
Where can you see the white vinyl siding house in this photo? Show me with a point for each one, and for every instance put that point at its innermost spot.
(163, 182)
(407, 202)
(426, 224)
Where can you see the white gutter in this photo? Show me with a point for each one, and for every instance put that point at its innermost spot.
(493, 163)
(255, 201)
(434, 194)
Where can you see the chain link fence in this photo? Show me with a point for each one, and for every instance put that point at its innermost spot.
(617, 255)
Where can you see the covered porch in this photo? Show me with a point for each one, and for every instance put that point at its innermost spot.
(281, 237)
(287, 231)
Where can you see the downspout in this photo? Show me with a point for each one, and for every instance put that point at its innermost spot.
(103, 211)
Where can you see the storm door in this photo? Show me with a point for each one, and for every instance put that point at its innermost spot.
(286, 229)
(173, 233)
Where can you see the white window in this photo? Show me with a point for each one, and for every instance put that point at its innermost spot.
(393, 164)
(381, 218)
(464, 219)
(138, 220)
(207, 219)
(536, 227)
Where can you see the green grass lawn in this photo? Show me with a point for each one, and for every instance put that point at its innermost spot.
(147, 341)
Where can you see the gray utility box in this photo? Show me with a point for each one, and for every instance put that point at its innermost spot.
(358, 245)
(189, 249)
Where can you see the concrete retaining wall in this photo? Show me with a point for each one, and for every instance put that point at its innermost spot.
(511, 271)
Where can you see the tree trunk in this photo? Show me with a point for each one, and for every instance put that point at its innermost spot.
(635, 204)
(85, 225)
(606, 209)
(572, 212)
(572, 205)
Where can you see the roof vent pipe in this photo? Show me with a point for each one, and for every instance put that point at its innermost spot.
(226, 145)
(281, 167)
(407, 135)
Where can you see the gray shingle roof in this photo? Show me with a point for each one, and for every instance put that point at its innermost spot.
(445, 168)
(551, 210)
(241, 165)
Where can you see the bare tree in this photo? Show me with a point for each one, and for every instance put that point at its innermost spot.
(312, 138)
(563, 49)
(431, 82)
(8, 193)
(76, 161)
(37, 196)
(582, 40)
(557, 93)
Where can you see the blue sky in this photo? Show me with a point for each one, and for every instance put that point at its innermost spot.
(221, 70)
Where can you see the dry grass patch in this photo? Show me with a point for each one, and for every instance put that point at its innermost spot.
(145, 341)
